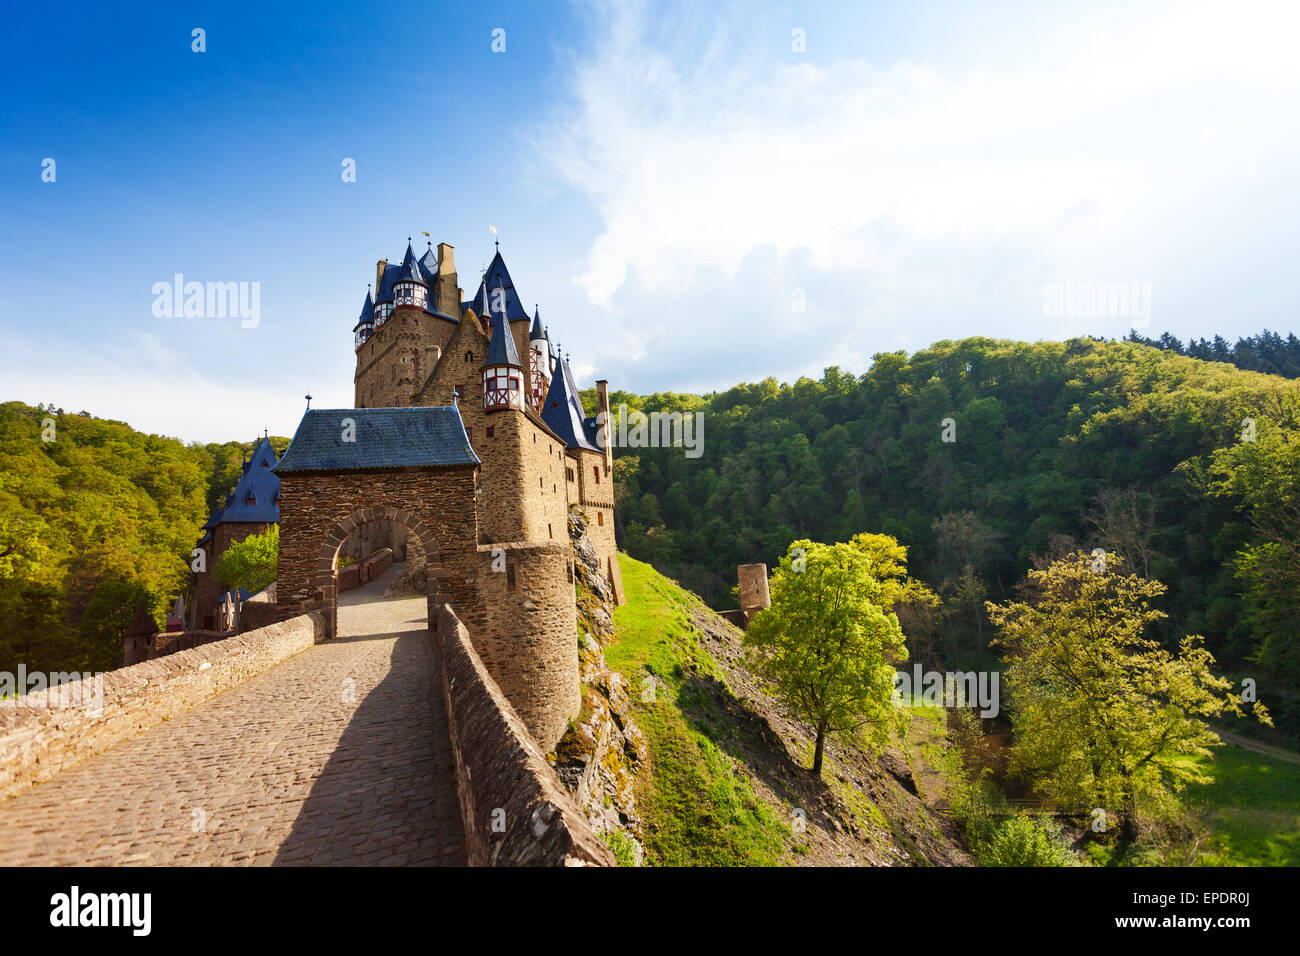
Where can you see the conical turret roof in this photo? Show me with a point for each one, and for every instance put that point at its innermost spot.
(410, 270)
(367, 312)
(502, 349)
(562, 410)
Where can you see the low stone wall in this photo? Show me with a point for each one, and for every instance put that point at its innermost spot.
(738, 618)
(36, 742)
(514, 809)
(365, 570)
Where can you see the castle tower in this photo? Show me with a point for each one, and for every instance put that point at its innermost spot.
(410, 287)
(365, 326)
(503, 373)
(539, 362)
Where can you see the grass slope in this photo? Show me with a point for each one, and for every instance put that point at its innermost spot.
(723, 786)
(1252, 810)
(700, 808)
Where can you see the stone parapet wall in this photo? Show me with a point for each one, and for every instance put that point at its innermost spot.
(37, 742)
(514, 809)
(365, 570)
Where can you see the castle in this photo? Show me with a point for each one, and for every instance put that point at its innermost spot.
(469, 436)
(418, 344)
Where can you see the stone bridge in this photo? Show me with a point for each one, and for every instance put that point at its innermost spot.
(359, 750)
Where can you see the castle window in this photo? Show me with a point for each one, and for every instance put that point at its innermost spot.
(511, 584)
(491, 430)
(568, 474)
(252, 500)
(550, 530)
(459, 390)
(600, 518)
(553, 488)
(469, 433)
(469, 356)
(596, 471)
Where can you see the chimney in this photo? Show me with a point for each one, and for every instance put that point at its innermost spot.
(380, 266)
(602, 403)
(446, 259)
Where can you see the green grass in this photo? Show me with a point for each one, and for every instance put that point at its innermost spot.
(1252, 810)
(699, 806)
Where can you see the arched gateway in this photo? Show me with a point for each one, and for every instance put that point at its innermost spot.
(416, 467)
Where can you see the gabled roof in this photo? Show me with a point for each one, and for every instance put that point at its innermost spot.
(410, 270)
(501, 350)
(259, 481)
(498, 276)
(367, 313)
(419, 437)
(563, 412)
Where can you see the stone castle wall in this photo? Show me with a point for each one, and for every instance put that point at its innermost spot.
(526, 633)
(398, 358)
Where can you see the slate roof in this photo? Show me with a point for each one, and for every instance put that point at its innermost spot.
(502, 349)
(537, 331)
(260, 481)
(418, 437)
(429, 263)
(563, 412)
(385, 293)
(367, 313)
(498, 276)
(410, 270)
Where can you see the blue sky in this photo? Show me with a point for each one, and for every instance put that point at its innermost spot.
(695, 196)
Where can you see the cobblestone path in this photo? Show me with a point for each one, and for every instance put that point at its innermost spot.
(337, 756)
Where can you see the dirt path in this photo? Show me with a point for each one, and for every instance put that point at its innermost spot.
(1268, 750)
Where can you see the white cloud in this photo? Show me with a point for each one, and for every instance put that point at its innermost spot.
(154, 389)
(1090, 148)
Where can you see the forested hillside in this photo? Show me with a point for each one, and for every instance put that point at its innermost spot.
(96, 519)
(1055, 446)
(1265, 352)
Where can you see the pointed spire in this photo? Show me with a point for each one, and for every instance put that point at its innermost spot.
(502, 349)
(537, 334)
(410, 271)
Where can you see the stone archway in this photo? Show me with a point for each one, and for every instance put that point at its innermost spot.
(319, 510)
(420, 544)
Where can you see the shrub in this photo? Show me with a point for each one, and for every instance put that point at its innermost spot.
(1023, 841)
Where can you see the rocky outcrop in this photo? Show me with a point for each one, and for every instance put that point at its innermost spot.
(599, 755)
